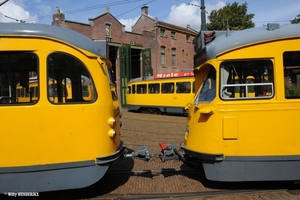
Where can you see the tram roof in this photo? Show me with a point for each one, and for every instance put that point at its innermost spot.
(146, 78)
(72, 37)
(241, 38)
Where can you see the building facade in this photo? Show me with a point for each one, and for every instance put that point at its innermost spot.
(152, 47)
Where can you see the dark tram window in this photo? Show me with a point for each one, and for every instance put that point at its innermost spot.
(18, 73)
(153, 88)
(68, 80)
(167, 87)
(291, 63)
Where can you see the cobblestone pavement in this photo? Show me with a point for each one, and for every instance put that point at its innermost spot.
(127, 176)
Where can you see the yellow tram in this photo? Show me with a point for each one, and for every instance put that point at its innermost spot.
(60, 121)
(161, 93)
(243, 128)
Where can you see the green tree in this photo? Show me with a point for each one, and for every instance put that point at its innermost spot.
(235, 14)
(296, 20)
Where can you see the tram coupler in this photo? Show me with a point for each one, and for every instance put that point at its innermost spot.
(142, 154)
(168, 152)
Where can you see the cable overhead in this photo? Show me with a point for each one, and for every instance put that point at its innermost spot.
(88, 8)
(135, 8)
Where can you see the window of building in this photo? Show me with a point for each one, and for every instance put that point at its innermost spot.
(174, 57)
(183, 55)
(162, 32)
(163, 56)
(68, 80)
(173, 34)
(291, 63)
(108, 30)
(188, 38)
(246, 79)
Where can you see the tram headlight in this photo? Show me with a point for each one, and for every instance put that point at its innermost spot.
(187, 131)
(111, 121)
(111, 133)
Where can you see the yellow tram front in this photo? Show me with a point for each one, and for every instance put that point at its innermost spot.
(242, 122)
(60, 122)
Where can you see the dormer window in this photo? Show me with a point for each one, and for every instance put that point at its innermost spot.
(188, 38)
(173, 34)
(107, 30)
(162, 32)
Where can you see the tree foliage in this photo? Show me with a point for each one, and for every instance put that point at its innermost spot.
(235, 14)
(296, 20)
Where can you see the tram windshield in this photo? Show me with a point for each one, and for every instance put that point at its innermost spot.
(208, 90)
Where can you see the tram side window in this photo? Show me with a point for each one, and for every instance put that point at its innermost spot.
(245, 79)
(167, 87)
(133, 89)
(68, 80)
(128, 89)
(183, 87)
(141, 88)
(18, 73)
(291, 63)
(153, 88)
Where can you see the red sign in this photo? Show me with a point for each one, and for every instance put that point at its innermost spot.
(173, 74)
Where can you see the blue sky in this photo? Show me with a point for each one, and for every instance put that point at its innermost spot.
(178, 12)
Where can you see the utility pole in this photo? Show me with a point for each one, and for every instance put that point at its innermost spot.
(203, 17)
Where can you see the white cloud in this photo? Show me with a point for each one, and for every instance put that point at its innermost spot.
(190, 13)
(11, 12)
(128, 23)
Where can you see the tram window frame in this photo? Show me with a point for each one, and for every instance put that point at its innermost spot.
(291, 68)
(183, 87)
(247, 79)
(153, 88)
(16, 72)
(167, 88)
(66, 75)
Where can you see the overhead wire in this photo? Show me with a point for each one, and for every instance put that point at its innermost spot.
(116, 3)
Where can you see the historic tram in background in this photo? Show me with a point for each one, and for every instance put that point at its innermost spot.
(60, 118)
(162, 93)
(244, 128)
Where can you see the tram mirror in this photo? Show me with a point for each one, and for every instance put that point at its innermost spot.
(24, 79)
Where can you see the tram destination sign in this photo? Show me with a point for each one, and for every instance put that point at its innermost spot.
(173, 74)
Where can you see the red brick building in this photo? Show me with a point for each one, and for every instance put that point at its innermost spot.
(151, 47)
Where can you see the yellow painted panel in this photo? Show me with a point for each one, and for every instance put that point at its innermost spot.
(230, 127)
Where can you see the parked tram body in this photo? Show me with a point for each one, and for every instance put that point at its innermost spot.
(55, 137)
(246, 129)
(162, 95)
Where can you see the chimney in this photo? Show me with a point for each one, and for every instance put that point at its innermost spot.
(145, 10)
